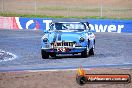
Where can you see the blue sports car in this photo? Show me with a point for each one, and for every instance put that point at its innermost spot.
(68, 38)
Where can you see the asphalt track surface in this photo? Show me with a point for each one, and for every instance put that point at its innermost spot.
(111, 50)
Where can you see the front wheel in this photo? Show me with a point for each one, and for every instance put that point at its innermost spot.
(84, 53)
(44, 54)
(91, 51)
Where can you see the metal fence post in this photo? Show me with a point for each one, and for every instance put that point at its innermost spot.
(101, 8)
(2, 6)
(35, 7)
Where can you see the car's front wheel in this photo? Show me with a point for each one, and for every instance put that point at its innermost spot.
(91, 51)
(44, 54)
(84, 53)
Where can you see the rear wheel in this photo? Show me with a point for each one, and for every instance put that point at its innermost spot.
(44, 54)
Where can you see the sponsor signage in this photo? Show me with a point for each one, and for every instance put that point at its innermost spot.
(108, 25)
(83, 78)
(33, 23)
(96, 25)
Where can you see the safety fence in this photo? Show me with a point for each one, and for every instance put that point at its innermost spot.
(85, 8)
(97, 25)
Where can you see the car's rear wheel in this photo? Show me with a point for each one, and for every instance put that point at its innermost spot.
(44, 54)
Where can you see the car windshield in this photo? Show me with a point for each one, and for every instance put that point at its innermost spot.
(67, 26)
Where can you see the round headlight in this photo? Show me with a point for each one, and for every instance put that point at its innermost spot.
(81, 39)
(45, 40)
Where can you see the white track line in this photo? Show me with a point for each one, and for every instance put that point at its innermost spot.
(8, 59)
(90, 68)
(54, 70)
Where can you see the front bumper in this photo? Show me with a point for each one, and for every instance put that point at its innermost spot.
(65, 50)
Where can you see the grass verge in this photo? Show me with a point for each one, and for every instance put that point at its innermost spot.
(46, 16)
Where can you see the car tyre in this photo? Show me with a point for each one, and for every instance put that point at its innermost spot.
(44, 54)
(84, 54)
(91, 51)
